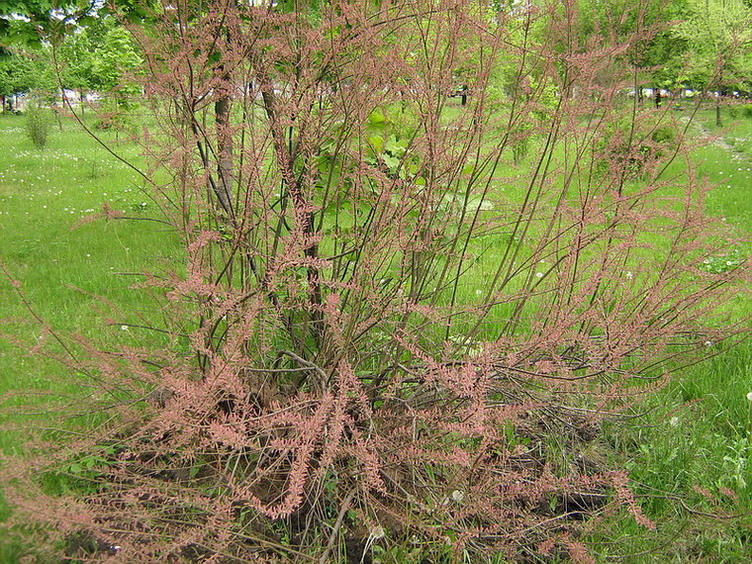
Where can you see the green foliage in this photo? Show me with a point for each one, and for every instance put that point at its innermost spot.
(22, 72)
(388, 153)
(38, 23)
(719, 40)
(16, 75)
(112, 60)
(77, 52)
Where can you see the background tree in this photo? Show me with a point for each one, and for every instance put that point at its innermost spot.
(113, 60)
(75, 56)
(16, 77)
(651, 52)
(718, 34)
(22, 72)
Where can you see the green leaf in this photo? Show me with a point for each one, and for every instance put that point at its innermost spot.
(215, 57)
(376, 117)
(395, 147)
(391, 162)
(377, 143)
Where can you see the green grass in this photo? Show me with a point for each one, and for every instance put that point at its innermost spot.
(731, 172)
(66, 266)
(695, 437)
(690, 457)
(66, 270)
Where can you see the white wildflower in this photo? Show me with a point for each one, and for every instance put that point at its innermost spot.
(674, 421)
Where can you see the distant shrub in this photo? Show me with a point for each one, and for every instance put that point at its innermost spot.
(634, 148)
(112, 121)
(38, 123)
(740, 111)
(665, 135)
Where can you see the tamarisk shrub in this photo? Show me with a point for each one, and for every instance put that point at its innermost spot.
(384, 308)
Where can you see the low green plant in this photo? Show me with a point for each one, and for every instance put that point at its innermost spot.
(746, 111)
(718, 264)
(38, 123)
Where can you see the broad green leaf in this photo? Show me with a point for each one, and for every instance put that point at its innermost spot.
(377, 143)
(376, 117)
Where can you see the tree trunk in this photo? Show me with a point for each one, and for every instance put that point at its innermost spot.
(718, 121)
(223, 189)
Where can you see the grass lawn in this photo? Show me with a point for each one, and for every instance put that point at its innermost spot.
(690, 457)
(67, 268)
(695, 443)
